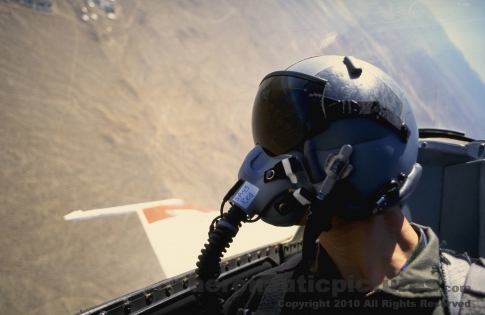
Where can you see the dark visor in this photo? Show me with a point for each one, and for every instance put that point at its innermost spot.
(290, 107)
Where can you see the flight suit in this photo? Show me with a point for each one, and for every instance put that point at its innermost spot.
(417, 289)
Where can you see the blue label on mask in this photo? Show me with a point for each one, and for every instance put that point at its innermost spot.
(245, 195)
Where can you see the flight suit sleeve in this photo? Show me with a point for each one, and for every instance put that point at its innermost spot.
(249, 295)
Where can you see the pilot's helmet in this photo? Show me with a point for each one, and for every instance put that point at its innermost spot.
(322, 103)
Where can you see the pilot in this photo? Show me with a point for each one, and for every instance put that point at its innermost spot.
(360, 253)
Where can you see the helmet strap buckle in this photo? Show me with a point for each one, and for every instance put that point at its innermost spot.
(388, 193)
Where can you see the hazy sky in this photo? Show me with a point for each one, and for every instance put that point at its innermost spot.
(463, 28)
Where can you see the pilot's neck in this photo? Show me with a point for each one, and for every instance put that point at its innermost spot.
(373, 249)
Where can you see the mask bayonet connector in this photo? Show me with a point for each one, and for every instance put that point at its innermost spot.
(336, 167)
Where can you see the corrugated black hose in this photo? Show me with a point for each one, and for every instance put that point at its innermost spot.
(208, 265)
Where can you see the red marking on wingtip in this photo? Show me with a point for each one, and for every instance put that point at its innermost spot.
(158, 213)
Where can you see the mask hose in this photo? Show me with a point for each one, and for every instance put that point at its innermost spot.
(208, 264)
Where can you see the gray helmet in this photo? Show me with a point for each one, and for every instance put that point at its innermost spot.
(322, 103)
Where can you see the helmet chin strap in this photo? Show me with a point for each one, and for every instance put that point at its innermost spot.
(336, 167)
(321, 212)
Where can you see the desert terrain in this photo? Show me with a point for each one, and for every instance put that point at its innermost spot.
(153, 102)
